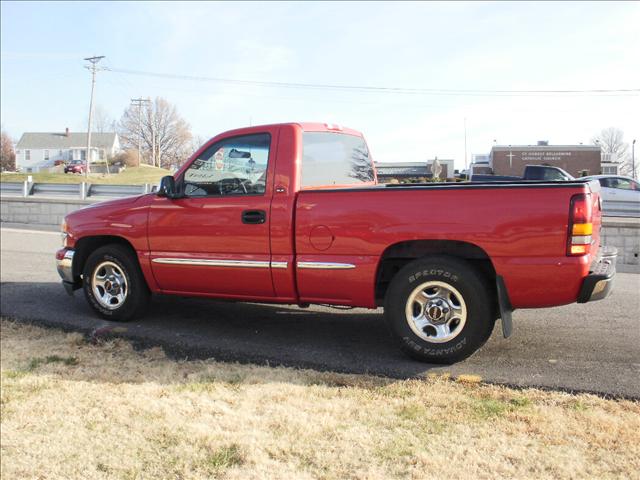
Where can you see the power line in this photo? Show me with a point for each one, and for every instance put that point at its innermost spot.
(369, 89)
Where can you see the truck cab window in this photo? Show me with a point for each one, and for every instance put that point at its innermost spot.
(233, 166)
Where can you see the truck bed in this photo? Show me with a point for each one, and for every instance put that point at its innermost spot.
(525, 236)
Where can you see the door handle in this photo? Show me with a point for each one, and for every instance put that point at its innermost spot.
(254, 216)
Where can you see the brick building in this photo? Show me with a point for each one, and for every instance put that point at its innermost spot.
(578, 160)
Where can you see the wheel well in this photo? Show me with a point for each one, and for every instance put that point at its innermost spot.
(85, 246)
(398, 255)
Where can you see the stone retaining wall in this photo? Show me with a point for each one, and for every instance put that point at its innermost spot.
(38, 211)
(624, 234)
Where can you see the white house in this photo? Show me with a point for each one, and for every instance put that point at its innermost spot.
(36, 150)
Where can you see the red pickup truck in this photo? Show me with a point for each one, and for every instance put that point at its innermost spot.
(292, 213)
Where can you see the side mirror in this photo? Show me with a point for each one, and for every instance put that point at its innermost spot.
(168, 187)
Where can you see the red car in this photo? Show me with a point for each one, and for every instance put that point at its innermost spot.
(75, 166)
(292, 213)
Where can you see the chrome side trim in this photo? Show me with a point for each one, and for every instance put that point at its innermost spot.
(325, 265)
(279, 264)
(205, 262)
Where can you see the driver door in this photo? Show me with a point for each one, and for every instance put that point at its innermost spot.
(215, 240)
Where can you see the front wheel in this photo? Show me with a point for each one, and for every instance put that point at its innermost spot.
(113, 283)
(439, 309)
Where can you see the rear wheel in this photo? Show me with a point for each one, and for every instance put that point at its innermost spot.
(113, 283)
(439, 309)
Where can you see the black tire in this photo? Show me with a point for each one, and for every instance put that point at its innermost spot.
(122, 260)
(468, 283)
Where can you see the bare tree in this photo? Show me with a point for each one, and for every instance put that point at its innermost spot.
(196, 142)
(7, 153)
(165, 135)
(102, 121)
(611, 140)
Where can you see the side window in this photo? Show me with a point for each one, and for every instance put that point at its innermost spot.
(334, 159)
(605, 182)
(234, 166)
(551, 174)
(623, 184)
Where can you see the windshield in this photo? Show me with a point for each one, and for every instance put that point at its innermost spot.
(335, 159)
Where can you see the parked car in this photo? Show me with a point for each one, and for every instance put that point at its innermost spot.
(75, 166)
(292, 213)
(531, 172)
(615, 187)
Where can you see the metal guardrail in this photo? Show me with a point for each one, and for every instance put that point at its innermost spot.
(54, 189)
(99, 190)
(12, 188)
(611, 208)
(73, 190)
(620, 208)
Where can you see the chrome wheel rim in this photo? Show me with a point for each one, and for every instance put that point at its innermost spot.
(109, 285)
(436, 312)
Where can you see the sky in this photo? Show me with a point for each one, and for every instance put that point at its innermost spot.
(478, 46)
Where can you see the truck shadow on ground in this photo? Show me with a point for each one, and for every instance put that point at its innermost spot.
(320, 338)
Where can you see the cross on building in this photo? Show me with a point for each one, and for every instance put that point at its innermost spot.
(511, 155)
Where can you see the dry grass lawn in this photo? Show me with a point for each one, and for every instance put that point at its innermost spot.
(71, 409)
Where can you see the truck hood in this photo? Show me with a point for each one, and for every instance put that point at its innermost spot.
(118, 202)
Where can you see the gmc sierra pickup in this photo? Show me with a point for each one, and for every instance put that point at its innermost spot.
(292, 213)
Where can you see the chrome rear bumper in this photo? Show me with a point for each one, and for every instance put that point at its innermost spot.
(599, 283)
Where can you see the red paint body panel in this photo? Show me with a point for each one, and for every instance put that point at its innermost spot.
(522, 228)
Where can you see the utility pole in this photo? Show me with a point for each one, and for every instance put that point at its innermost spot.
(465, 143)
(139, 102)
(633, 158)
(153, 133)
(93, 68)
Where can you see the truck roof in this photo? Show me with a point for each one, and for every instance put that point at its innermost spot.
(306, 126)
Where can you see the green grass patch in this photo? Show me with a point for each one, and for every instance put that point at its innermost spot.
(224, 457)
(35, 363)
(578, 406)
(486, 408)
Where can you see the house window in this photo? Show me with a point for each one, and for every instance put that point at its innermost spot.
(46, 155)
(610, 170)
(101, 154)
(83, 155)
(27, 155)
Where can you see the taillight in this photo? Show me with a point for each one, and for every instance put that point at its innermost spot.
(580, 226)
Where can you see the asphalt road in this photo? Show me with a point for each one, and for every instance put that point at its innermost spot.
(591, 347)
